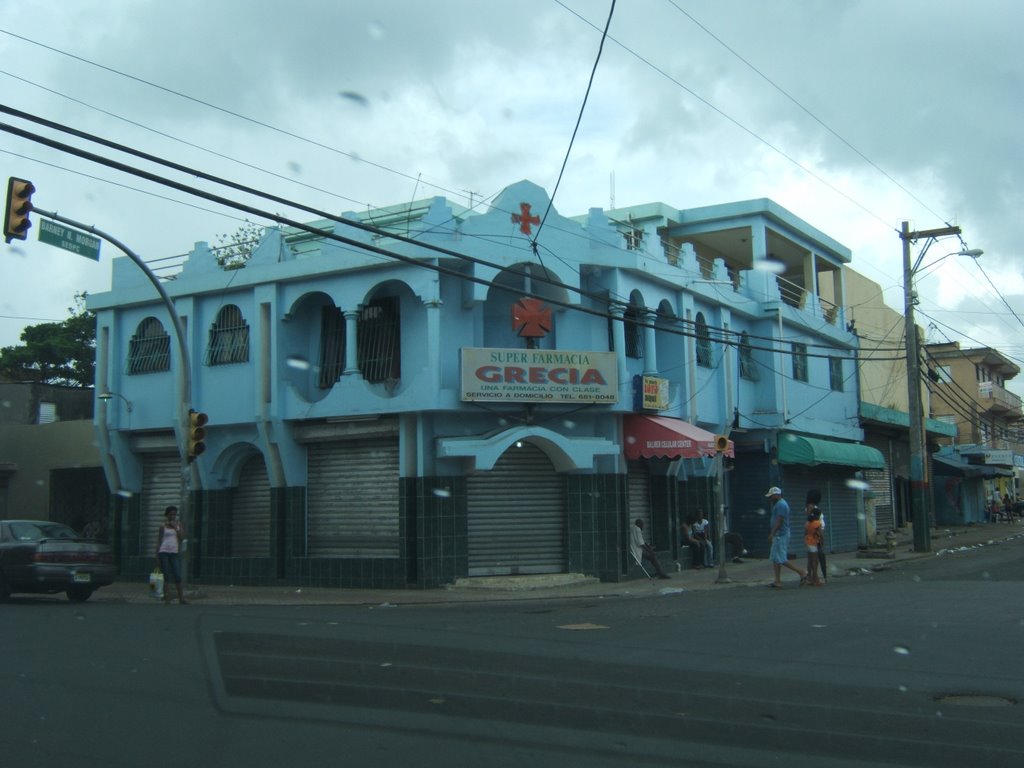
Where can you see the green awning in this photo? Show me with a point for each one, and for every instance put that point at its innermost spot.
(876, 413)
(796, 449)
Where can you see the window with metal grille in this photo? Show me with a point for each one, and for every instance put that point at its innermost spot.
(835, 373)
(748, 368)
(229, 338)
(634, 333)
(378, 340)
(149, 350)
(634, 239)
(703, 342)
(332, 347)
(799, 361)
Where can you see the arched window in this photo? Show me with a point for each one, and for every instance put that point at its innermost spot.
(703, 342)
(149, 350)
(634, 333)
(229, 338)
(332, 347)
(379, 340)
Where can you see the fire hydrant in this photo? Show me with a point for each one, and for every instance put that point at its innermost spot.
(890, 541)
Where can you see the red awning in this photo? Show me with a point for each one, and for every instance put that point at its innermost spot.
(651, 436)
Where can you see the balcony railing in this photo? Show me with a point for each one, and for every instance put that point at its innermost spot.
(994, 398)
(797, 296)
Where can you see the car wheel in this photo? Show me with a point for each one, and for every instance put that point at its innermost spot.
(79, 594)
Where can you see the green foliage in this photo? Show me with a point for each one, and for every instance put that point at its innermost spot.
(235, 249)
(55, 353)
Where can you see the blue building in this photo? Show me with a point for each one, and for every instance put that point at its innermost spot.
(437, 393)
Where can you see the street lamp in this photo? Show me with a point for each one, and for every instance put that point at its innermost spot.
(919, 501)
(107, 395)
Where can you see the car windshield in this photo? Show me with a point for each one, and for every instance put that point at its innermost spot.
(34, 531)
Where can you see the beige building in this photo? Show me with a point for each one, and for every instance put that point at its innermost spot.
(49, 464)
(884, 413)
(969, 391)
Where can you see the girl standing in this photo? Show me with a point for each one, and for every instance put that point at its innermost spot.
(168, 551)
(813, 541)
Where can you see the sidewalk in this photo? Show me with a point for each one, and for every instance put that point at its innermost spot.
(751, 572)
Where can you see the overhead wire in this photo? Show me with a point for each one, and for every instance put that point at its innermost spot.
(262, 123)
(779, 151)
(805, 110)
(196, 173)
(579, 119)
(301, 226)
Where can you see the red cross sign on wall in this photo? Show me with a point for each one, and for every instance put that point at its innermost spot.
(524, 219)
(530, 318)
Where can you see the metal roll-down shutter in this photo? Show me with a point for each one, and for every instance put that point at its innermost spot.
(353, 498)
(250, 511)
(517, 516)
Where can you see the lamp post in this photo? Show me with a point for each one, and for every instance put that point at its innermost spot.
(919, 500)
(108, 395)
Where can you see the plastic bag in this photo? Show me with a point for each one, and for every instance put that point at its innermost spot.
(156, 583)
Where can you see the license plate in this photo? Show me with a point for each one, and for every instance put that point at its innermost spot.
(82, 578)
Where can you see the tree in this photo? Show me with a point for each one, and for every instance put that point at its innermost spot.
(61, 353)
(235, 249)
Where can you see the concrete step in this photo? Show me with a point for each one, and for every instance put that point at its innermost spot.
(523, 583)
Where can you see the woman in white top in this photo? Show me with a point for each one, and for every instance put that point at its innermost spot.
(168, 551)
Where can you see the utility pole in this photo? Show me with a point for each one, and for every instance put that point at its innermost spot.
(919, 500)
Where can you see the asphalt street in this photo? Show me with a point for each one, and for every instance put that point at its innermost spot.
(911, 664)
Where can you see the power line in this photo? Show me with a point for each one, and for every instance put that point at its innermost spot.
(804, 109)
(751, 132)
(229, 112)
(223, 110)
(193, 172)
(579, 119)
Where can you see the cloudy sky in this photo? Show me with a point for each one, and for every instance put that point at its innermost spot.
(853, 114)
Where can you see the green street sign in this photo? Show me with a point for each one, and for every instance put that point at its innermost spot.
(69, 239)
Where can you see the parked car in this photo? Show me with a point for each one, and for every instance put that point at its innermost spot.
(44, 557)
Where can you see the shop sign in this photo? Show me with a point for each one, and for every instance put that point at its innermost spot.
(653, 393)
(539, 376)
(1004, 458)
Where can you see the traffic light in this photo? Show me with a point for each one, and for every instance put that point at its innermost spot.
(196, 439)
(19, 206)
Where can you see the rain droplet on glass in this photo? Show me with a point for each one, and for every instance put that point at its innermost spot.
(355, 98)
(901, 650)
(770, 265)
(298, 363)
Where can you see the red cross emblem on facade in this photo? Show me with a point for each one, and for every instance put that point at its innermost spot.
(524, 219)
(530, 318)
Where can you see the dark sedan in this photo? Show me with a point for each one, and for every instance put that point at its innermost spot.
(43, 557)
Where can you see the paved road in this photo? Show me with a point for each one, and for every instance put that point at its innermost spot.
(871, 670)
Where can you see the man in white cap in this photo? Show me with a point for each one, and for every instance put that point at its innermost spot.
(779, 537)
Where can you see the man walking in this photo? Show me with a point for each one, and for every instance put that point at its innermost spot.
(779, 537)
